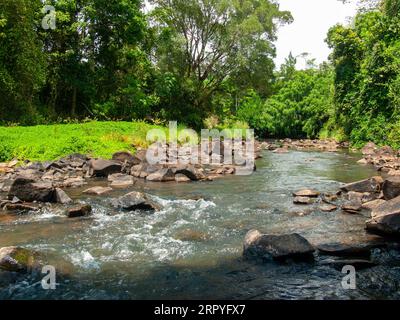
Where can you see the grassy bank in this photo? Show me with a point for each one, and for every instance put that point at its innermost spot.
(50, 142)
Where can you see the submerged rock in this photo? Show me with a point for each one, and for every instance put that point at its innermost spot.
(29, 190)
(82, 210)
(24, 207)
(260, 245)
(303, 200)
(328, 208)
(191, 235)
(135, 201)
(356, 263)
(98, 191)
(17, 259)
(346, 250)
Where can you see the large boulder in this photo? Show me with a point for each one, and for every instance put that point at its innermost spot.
(386, 218)
(391, 187)
(264, 246)
(387, 208)
(103, 168)
(368, 185)
(385, 225)
(30, 190)
(135, 201)
(17, 259)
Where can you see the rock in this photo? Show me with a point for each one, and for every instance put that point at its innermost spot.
(372, 205)
(98, 191)
(62, 197)
(345, 250)
(391, 188)
(29, 191)
(352, 208)
(387, 208)
(20, 207)
(356, 263)
(328, 208)
(126, 157)
(363, 161)
(329, 198)
(394, 172)
(368, 185)
(191, 235)
(75, 182)
(162, 175)
(135, 201)
(385, 225)
(307, 193)
(82, 210)
(369, 149)
(17, 259)
(143, 170)
(191, 172)
(303, 200)
(181, 178)
(103, 168)
(277, 247)
(123, 181)
(280, 150)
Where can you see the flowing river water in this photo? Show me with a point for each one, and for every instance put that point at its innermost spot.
(192, 249)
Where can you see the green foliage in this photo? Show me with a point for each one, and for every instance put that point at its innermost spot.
(208, 49)
(99, 139)
(367, 75)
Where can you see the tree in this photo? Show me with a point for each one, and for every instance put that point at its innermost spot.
(202, 43)
(22, 62)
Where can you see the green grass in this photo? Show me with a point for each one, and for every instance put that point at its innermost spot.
(51, 142)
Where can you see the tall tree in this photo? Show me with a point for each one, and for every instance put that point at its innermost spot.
(22, 62)
(202, 43)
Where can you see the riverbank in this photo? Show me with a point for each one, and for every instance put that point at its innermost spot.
(52, 142)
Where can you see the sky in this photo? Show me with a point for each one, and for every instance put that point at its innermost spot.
(312, 20)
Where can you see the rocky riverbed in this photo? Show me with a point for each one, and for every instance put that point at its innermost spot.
(108, 218)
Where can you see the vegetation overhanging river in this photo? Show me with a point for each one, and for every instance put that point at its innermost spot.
(193, 247)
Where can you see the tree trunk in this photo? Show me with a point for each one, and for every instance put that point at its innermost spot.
(73, 106)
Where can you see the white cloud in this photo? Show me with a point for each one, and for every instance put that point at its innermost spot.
(312, 20)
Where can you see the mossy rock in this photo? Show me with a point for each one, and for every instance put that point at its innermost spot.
(18, 259)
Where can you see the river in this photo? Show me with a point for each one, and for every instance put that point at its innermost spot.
(192, 249)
